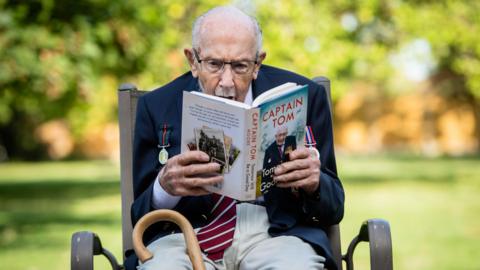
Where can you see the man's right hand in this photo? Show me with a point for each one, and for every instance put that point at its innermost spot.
(188, 173)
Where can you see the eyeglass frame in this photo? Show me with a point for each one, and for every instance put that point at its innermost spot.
(231, 63)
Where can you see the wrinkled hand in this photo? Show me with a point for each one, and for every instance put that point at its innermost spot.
(301, 171)
(188, 173)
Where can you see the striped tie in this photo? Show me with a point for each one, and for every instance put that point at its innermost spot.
(217, 235)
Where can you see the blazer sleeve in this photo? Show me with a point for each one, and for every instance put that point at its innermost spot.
(326, 206)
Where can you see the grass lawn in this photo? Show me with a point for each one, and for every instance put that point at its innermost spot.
(42, 204)
(432, 205)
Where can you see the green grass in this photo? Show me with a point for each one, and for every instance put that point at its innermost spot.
(42, 204)
(432, 205)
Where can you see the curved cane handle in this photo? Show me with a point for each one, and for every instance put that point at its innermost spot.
(193, 249)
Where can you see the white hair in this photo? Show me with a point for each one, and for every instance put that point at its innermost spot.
(230, 11)
(281, 129)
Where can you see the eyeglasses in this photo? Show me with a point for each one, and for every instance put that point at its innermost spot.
(217, 66)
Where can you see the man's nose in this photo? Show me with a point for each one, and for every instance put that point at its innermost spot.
(226, 77)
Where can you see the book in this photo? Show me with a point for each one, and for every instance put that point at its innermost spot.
(248, 141)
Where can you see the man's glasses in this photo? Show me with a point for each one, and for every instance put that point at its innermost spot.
(217, 66)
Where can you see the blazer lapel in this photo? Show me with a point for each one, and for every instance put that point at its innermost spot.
(192, 86)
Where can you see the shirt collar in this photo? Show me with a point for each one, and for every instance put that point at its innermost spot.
(249, 97)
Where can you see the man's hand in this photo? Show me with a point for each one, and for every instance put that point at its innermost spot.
(301, 171)
(187, 174)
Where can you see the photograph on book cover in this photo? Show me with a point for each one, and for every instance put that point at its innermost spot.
(231, 151)
(282, 125)
(211, 141)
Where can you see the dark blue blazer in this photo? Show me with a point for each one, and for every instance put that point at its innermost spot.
(306, 217)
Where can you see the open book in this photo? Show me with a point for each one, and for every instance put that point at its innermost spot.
(247, 141)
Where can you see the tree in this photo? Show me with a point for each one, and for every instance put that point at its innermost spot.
(64, 59)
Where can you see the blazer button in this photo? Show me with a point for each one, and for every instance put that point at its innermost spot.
(315, 219)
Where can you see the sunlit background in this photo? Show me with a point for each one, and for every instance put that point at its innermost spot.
(405, 79)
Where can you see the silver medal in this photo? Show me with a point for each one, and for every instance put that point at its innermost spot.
(314, 152)
(163, 156)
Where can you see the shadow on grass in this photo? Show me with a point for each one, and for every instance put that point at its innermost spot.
(28, 228)
(367, 179)
(28, 219)
(397, 169)
(409, 157)
(68, 189)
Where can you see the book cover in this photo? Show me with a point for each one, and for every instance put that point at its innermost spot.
(282, 130)
(238, 136)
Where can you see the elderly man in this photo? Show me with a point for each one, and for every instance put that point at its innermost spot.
(280, 231)
(280, 149)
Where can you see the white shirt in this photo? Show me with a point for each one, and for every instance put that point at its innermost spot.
(162, 199)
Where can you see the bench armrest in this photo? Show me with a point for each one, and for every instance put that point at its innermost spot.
(85, 245)
(377, 233)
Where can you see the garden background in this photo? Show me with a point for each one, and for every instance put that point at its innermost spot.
(405, 81)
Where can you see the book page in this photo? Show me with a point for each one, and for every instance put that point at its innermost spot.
(222, 100)
(218, 129)
(274, 92)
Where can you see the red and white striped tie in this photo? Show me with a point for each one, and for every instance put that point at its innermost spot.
(217, 235)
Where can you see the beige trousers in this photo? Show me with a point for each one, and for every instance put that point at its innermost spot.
(252, 248)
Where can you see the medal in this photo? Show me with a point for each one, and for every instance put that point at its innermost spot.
(163, 155)
(310, 143)
(314, 152)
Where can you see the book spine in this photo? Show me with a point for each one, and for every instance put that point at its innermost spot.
(252, 144)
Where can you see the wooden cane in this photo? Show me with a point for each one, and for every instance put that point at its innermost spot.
(193, 249)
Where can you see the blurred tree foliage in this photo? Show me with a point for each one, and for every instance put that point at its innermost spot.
(64, 59)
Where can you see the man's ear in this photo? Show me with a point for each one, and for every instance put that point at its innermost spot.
(260, 59)
(191, 61)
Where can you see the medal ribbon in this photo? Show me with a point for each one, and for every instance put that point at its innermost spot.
(163, 155)
(165, 136)
(309, 139)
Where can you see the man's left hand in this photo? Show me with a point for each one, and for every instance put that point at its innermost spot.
(301, 171)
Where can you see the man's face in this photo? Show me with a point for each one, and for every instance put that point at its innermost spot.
(225, 43)
(280, 136)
